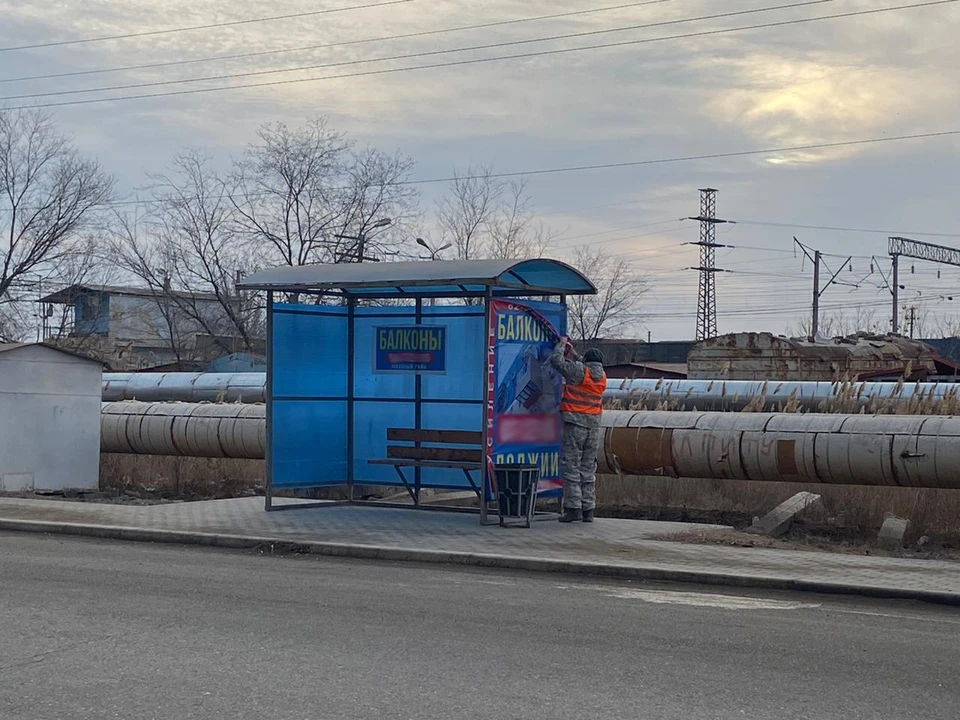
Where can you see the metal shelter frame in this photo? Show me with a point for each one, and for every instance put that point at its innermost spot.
(411, 281)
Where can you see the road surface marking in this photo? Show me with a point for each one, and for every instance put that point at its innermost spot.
(724, 602)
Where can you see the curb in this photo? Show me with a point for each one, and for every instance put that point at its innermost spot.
(484, 560)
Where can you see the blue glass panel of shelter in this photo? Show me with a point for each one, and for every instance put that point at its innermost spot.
(309, 389)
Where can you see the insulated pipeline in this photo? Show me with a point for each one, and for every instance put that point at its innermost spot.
(186, 429)
(708, 395)
(887, 450)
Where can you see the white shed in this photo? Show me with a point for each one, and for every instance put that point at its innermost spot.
(49, 419)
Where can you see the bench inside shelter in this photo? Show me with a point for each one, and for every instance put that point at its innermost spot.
(452, 449)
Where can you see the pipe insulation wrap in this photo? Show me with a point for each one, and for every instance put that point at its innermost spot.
(186, 429)
(885, 450)
(707, 395)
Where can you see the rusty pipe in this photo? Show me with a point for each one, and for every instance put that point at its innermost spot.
(887, 450)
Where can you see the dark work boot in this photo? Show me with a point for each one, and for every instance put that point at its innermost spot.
(571, 515)
(588, 515)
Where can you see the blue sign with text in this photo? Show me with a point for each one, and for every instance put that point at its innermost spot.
(410, 349)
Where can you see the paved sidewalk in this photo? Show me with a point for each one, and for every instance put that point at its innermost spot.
(611, 547)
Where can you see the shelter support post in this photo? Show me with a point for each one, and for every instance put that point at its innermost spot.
(268, 448)
(351, 347)
(485, 478)
(417, 410)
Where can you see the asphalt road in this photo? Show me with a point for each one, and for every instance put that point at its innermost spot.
(99, 629)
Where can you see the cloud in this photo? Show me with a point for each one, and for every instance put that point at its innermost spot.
(822, 82)
(782, 101)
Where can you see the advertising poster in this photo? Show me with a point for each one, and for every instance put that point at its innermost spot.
(524, 390)
(410, 349)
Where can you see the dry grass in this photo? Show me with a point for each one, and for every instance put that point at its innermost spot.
(852, 510)
(186, 478)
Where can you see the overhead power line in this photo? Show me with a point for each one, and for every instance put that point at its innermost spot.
(620, 229)
(690, 158)
(425, 53)
(208, 26)
(362, 41)
(476, 61)
(843, 229)
(636, 163)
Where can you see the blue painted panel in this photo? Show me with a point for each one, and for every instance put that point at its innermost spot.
(369, 384)
(466, 354)
(309, 443)
(370, 421)
(309, 351)
(448, 416)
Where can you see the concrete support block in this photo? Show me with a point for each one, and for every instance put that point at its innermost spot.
(776, 522)
(892, 533)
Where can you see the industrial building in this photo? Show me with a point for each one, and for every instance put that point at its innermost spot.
(134, 328)
(49, 419)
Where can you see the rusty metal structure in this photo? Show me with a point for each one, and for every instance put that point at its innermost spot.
(903, 451)
(764, 356)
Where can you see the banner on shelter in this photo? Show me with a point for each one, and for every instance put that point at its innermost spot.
(524, 390)
(410, 349)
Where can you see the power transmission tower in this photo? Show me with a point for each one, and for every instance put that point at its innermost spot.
(707, 297)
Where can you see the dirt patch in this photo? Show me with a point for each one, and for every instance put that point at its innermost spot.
(801, 540)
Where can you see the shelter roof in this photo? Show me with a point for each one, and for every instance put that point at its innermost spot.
(540, 276)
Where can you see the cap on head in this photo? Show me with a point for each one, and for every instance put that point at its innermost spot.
(593, 356)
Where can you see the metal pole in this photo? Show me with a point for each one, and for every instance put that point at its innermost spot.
(351, 341)
(815, 326)
(268, 431)
(484, 457)
(361, 242)
(896, 294)
(417, 410)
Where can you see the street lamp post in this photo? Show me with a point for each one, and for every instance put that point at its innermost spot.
(361, 239)
(434, 253)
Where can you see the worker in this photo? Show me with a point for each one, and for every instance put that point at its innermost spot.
(581, 407)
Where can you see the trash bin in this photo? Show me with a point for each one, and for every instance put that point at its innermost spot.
(516, 491)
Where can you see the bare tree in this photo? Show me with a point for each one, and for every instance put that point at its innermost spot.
(375, 189)
(947, 326)
(133, 249)
(514, 231)
(485, 217)
(842, 323)
(193, 220)
(49, 197)
(303, 196)
(286, 191)
(616, 305)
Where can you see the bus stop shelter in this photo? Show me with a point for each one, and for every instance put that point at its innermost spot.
(444, 363)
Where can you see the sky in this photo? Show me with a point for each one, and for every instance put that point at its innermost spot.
(659, 97)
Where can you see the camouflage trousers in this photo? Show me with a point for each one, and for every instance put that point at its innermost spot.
(578, 462)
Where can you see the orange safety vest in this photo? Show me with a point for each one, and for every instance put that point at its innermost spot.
(585, 398)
